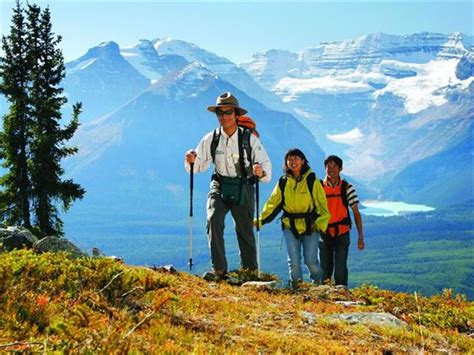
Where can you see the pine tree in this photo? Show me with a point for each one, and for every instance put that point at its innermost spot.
(33, 141)
(48, 136)
(14, 137)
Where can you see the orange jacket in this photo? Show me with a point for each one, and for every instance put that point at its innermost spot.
(340, 222)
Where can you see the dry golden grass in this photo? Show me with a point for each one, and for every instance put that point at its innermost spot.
(53, 303)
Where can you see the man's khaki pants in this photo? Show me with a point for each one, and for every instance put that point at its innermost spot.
(243, 219)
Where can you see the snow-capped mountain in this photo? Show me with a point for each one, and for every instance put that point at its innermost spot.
(189, 81)
(361, 53)
(269, 67)
(380, 101)
(221, 66)
(372, 49)
(107, 76)
(143, 57)
(193, 53)
(102, 80)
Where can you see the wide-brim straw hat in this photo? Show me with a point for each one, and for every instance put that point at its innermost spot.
(227, 99)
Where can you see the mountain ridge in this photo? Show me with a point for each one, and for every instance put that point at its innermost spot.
(102, 80)
(379, 101)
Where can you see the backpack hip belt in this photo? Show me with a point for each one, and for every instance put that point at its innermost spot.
(245, 180)
(308, 217)
(346, 221)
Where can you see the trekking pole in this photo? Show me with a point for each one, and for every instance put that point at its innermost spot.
(191, 183)
(257, 193)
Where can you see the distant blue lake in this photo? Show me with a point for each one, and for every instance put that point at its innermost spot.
(391, 208)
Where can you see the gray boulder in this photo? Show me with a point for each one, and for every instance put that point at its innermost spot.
(261, 285)
(308, 317)
(15, 237)
(367, 318)
(167, 269)
(55, 245)
(381, 318)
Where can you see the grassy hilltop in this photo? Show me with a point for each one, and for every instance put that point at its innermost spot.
(50, 302)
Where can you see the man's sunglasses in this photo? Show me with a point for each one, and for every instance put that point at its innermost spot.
(221, 113)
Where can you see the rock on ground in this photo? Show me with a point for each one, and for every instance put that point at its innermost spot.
(16, 238)
(55, 244)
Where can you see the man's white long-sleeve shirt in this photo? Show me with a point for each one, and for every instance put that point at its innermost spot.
(227, 155)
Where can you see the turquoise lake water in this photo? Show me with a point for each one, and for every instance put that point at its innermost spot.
(391, 208)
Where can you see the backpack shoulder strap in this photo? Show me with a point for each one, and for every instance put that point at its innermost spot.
(240, 137)
(246, 143)
(281, 184)
(344, 185)
(344, 192)
(310, 179)
(216, 136)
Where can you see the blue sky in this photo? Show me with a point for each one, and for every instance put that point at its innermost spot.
(236, 30)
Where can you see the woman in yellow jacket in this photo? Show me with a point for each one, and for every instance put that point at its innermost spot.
(305, 213)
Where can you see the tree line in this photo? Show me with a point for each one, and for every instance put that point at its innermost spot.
(33, 139)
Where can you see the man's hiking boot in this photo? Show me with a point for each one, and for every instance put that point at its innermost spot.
(295, 285)
(214, 276)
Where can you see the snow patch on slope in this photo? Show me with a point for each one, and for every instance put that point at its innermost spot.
(351, 137)
(426, 88)
(141, 58)
(291, 87)
(82, 65)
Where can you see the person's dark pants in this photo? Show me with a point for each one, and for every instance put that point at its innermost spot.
(243, 219)
(333, 253)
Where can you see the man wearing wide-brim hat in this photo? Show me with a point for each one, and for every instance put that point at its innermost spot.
(239, 159)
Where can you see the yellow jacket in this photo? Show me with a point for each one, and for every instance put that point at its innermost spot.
(298, 200)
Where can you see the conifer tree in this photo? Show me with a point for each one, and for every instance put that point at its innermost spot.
(33, 140)
(15, 134)
(49, 137)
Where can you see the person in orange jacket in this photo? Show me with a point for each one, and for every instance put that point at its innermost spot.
(334, 243)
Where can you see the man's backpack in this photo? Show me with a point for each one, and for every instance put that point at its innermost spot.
(308, 216)
(247, 122)
(249, 127)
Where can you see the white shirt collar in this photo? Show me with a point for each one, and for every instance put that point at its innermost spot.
(235, 135)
